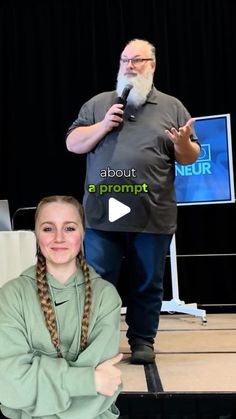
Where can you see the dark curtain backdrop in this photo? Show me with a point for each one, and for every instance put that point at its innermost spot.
(54, 55)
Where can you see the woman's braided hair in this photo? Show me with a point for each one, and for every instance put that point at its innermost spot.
(42, 284)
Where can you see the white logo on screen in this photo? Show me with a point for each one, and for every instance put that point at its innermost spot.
(202, 165)
(205, 153)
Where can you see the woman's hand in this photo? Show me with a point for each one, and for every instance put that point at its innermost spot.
(107, 376)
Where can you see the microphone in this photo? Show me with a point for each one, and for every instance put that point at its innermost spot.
(123, 98)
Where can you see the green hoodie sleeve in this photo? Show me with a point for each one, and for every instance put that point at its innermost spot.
(42, 385)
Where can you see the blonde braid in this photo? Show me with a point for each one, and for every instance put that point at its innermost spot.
(43, 290)
(45, 301)
(87, 302)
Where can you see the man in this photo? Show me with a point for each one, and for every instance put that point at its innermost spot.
(131, 156)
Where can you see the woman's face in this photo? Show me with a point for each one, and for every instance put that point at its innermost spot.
(59, 233)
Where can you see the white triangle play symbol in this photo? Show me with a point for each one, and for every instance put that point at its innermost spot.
(116, 209)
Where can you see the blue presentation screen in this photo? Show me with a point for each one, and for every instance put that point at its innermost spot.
(210, 179)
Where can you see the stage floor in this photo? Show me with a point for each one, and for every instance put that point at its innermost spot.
(194, 362)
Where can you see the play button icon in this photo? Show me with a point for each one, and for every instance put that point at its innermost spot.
(105, 211)
(116, 209)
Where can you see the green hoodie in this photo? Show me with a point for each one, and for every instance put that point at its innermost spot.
(34, 383)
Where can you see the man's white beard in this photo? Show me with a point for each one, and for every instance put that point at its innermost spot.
(142, 85)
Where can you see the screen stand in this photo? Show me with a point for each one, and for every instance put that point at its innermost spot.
(176, 305)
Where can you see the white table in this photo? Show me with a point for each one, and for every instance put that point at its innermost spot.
(17, 252)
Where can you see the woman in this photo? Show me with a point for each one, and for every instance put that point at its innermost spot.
(59, 327)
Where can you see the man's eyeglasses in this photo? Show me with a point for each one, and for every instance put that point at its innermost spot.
(134, 61)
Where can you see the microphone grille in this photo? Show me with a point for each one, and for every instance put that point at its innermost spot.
(129, 86)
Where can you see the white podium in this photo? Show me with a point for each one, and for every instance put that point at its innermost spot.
(17, 252)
